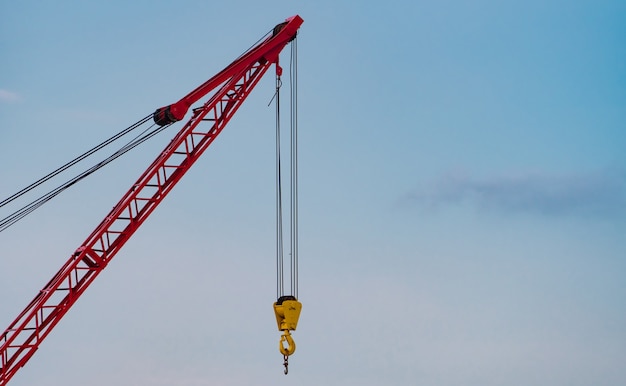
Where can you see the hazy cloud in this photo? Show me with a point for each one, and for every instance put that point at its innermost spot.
(8, 96)
(587, 194)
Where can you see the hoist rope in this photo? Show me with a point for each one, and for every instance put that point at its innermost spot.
(293, 209)
(280, 288)
(29, 208)
(293, 73)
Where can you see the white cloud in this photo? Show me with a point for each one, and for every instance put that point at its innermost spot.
(8, 96)
(599, 193)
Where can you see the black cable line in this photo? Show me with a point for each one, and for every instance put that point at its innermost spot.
(294, 166)
(254, 45)
(279, 208)
(29, 208)
(74, 161)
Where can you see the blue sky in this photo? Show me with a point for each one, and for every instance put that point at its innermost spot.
(462, 193)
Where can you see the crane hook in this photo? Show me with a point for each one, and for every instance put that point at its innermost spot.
(291, 345)
(286, 351)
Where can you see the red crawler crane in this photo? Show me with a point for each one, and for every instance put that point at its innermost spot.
(22, 338)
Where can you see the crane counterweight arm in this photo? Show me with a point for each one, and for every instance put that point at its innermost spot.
(233, 84)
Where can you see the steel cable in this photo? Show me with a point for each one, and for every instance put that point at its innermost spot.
(29, 208)
(74, 161)
(293, 73)
(280, 289)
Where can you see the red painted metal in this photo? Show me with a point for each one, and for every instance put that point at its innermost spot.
(22, 338)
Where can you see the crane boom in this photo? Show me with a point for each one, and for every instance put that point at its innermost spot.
(22, 338)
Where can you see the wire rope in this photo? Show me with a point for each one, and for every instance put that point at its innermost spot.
(29, 208)
(293, 180)
(74, 161)
(280, 289)
(293, 73)
(254, 45)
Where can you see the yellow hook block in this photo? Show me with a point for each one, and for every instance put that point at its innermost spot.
(287, 310)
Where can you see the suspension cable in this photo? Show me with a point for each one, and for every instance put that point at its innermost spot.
(74, 161)
(268, 33)
(29, 208)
